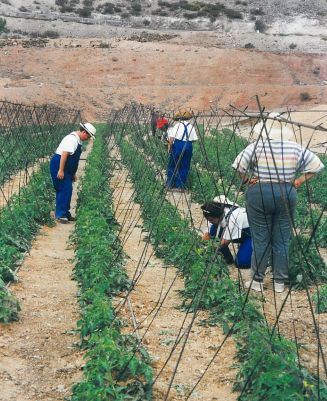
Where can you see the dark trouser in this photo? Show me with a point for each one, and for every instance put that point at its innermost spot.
(270, 209)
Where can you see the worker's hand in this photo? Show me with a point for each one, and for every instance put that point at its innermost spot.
(60, 175)
(206, 236)
(297, 183)
(252, 181)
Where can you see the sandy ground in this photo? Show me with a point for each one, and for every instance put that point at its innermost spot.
(39, 354)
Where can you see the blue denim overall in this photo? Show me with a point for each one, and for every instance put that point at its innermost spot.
(179, 161)
(64, 187)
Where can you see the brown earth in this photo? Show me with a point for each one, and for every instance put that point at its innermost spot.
(78, 73)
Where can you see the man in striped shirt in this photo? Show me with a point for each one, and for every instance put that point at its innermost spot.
(269, 167)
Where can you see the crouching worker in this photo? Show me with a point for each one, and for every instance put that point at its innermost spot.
(229, 223)
(63, 167)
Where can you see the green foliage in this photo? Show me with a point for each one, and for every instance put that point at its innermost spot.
(9, 307)
(306, 266)
(320, 299)
(270, 370)
(117, 366)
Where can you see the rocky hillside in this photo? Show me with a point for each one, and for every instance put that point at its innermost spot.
(301, 24)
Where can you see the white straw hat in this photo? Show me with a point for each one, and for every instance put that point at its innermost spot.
(276, 129)
(224, 201)
(89, 128)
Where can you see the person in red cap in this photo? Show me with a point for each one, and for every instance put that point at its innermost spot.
(63, 167)
(162, 126)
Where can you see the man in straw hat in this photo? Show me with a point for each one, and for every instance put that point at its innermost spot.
(229, 222)
(269, 167)
(180, 148)
(63, 167)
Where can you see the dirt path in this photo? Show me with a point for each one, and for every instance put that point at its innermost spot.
(38, 357)
(160, 325)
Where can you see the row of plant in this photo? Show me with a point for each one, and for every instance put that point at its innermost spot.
(269, 366)
(20, 221)
(117, 367)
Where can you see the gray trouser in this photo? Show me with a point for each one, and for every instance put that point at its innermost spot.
(270, 209)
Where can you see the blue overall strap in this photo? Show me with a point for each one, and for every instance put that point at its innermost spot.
(231, 210)
(185, 132)
(73, 160)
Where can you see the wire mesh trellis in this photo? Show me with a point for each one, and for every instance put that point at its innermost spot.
(223, 134)
(28, 135)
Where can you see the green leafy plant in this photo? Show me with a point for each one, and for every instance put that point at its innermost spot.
(117, 367)
(320, 299)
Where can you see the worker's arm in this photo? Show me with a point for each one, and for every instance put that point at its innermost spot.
(301, 180)
(63, 160)
(247, 180)
(170, 143)
(224, 243)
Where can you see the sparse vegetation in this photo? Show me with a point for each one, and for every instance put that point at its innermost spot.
(233, 14)
(199, 9)
(249, 46)
(3, 28)
(136, 8)
(260, 26)
(23, 9)
(66, 6)
(5, 2)
(108, 8)
(320, 299)
(292, 46)
(316, 71)
(84, 12)
(305, 96)
(257, 11)
(50, 34)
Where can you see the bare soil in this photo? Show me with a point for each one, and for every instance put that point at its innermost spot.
(188, 71)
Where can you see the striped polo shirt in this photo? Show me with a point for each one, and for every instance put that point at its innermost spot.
(276, 161)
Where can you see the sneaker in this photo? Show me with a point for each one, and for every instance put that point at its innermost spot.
(62, 220)
(279, 287)
(254, 285)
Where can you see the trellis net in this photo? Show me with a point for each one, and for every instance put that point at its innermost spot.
(271, 357)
